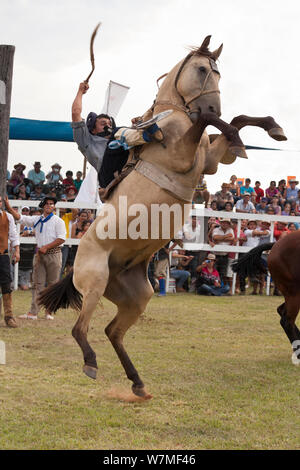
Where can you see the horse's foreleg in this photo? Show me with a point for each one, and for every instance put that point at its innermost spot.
(267, 123)
(130, 291)
(288, 312)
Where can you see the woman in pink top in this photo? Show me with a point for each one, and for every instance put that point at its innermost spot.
(272, 191)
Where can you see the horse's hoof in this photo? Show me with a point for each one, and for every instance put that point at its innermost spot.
(238, 151)
(90, 371)
(141, 393)
(277, 133)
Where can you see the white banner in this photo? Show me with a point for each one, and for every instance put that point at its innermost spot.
(88, 191)
(114, 98)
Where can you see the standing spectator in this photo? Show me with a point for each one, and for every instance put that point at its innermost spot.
(8, 233)
(208, 280)
(224, 196)
(234, 188)
(37, 194)
(271, 191)
(247, 188)
(262, 207)
(78, 180)
(201, 194)
(259, 192)
(291, 193)
(244, 204)
(68, 181)
(36, 176)
(54, 177)
(50, 233)
(222, 235)
(26, 255)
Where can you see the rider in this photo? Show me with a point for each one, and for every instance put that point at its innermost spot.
(105, 146)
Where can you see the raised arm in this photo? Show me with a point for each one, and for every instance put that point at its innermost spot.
(77, 103)
(12, 211)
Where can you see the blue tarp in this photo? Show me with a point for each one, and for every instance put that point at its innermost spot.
(32, 129)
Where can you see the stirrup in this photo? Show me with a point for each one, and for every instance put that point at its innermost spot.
(158, 117)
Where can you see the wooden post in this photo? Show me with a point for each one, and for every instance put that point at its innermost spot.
(6, 72)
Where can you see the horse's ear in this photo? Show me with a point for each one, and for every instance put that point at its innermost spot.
(216, 54)
(204, 45)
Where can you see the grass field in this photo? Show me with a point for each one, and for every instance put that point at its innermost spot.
(219, 369)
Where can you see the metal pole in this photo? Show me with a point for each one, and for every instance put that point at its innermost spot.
(6, 72)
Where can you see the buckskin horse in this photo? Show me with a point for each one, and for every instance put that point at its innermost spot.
(283, 264)
(116, 268)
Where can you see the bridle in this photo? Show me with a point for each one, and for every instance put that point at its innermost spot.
(185, 107)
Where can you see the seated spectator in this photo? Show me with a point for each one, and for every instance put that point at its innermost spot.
(270, 210)
(70, 193)
(68, 181)
(292, 227)
(246, 188)
(78, 180)
(17, 177)
(179, 261)
(280, 229)
(54, 176)
(275, 204)
(295, 208)
(37, 194)
(228, 206)
(281, 189)
(259, 192)
(201, 194)
(271, 191)
(234, 188)
(213, 205)
(222, 235)
(36, 176)
(291, 192)
(208, 281)
(21, 192)
(223, 196)
(262, 207)
(287, 209)
(244, 204)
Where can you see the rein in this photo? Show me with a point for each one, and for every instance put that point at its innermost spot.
(185, 106)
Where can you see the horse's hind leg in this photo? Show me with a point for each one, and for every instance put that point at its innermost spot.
(91, 282)
(130, 291)
(288, 312)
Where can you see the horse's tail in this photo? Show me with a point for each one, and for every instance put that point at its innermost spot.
(251, 264)
(62, 294)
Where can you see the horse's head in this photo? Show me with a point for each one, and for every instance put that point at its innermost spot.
(197, 81)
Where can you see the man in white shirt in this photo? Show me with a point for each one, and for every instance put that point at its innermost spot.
(50, 234)
(222, 235)
(8, 235)
(244, 204)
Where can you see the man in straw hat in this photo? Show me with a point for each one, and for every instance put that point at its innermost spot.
(50, 233)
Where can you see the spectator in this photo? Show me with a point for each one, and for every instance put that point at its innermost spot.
(179, 261)
(262, 207)
(287, 209)
(222, 235)
(208, 280)
(271, 191)
(291, 193)
(244, 204)
(161, 263)
(26, 255)
(191, 231)
(78, 180)
(228, 206)
(37, 194)
(275, 204)
(247, 188)
(292, 227)
(259, 192)
(280, 229)
(54, 177)
(68, 181)
(85, 226)
(224, 196)
(20, 192)
(17, 177)
(69, 217)
(214, 205)
(270, 210)
(71, 193)
(281, 189)
(36, 176)
(201, 194)
(234, 188)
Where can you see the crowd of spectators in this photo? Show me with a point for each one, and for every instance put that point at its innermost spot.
(193, 271)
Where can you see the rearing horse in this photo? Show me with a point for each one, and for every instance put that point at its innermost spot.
(165, 175)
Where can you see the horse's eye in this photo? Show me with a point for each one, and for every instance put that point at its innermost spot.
(202, 69)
